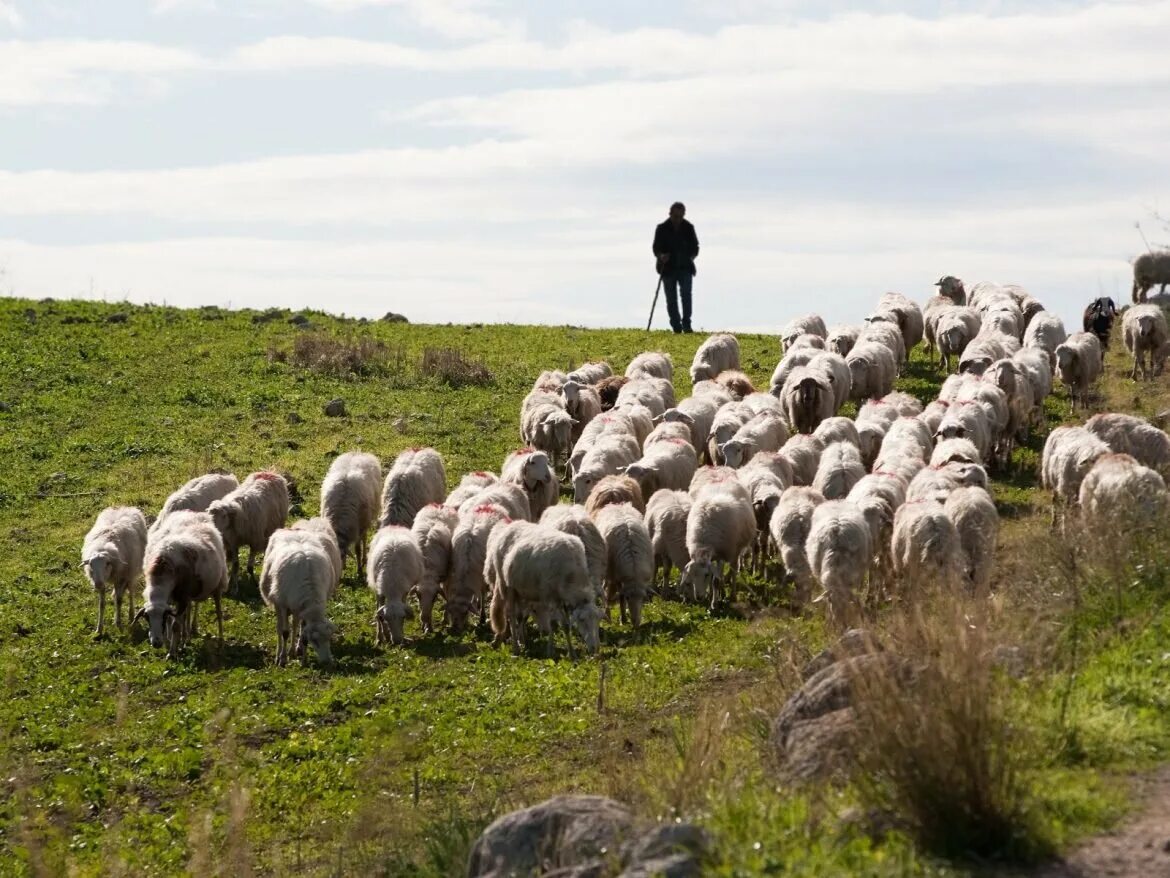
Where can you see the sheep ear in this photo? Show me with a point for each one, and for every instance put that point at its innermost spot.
(622, 470)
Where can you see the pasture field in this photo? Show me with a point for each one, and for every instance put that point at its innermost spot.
(117, 761)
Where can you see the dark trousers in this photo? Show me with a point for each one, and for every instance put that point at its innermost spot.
(674, 284)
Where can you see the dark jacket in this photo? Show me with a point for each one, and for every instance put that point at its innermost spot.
(681, 245)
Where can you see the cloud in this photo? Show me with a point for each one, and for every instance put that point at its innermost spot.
(454, 19)
(10, 16)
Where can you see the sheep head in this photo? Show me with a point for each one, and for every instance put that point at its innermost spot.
(318, 635)
(586, 620)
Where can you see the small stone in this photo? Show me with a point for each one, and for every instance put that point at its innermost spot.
(118, 317)
(298, 320)
(294, 418)
(335, 408)
(5, 407)
(391, 317)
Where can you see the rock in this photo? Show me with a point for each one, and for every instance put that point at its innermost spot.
(118, 317)
(824, 692)
(1161, 420)
(674, 850)
(298, 320)
(5, 407)
(335, 408)
(821, 747)
(391, 317)
(855, 641)
(267, 316)
(30, 314)
(294, 418)
(565, 831)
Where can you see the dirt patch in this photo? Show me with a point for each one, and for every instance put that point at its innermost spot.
(1139, 848)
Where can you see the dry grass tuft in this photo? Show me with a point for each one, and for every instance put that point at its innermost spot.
(341, 358)
(452, 368)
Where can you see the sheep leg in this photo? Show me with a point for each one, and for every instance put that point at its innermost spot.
(118, 594)
(622, 606)
(251, 563)
(569, 641)
(101, 596)
(281, 637)
(219, 616)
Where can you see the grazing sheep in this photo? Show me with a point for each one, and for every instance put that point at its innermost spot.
(349, 501)
(1119, 496)
(833, 367)
(967, 420)
(629, 569)
(1150, 270)
(952, 288)
(1128, 434)
(886, 334)
(666, 431)
(698, 413)
(612, 490)
(933, 414)
(575, 521)
(839, 470)
(185, 564)
(972, 511)
(532, 470)
(985, 349)
(545, 574)
(764, 432)
(789, 527)
(611, 454)
(470, 485)
(878, 411)
(1004, 319)
(808, 399)
(955, 329)
(872, 370)
(612, 422)
(608, 390)
(591, 373)
(807, 341)
(712, 390)
(838, 429)
(954, 450)
(720, 528)
(249, 515)
(936, 482)
(737, 383)
(197, 495)
(839, 550)
(841, 339)
(548, 428)
(870, 435)
(432, 530)
(510, 497)
(665, 465)
(417, 478)
(322, 531)
(656, 394)
(1078, 366)
(1098, 319)
(465, 585)
(764, 489)
(912, 435)
(582, 403)
(803, 453)
(1036, 366)
(499, 543)
(791, 361)
(1069, 453)
(717, 354)
(935, 307)
(640, 418)
(111, 556)
(907, 317)
(666, 522)
(878, 496)
(925, 548)
(1143, 327)
(395, 569)
(1010, 377)
(728, 421)
(1046, 332)
(549, 381)
(809, 324)
(651, 364)
(296, 581)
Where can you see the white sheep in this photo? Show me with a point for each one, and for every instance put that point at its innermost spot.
(197, 495)
(549, 381)
(906, 314)
(712, 390)
(717, 354)
(656, 394)
(925, 547)
(349, 501)
(111, 556)
(510, 497)
(1069, 453)
(432, 529)
(651, 364)
(839, 470)
(808, 399)
(870, 435)
(249, 515)
(666, 465)
(611, 454)
(808, 324)
(727, 423)
(185, 564)
(764, 432)
(910, 433)
(724, 476)
(1011, 378)
(886, 334)
(575, 521)
(629, 569)
(954, 450)
(470, 485)
(544, 574)
(808, 340)
(936, 483)
(833, 367)
(1129, 434)
(967, 420)
(668, 431)
(698, 413)
(788, 528)
(296, 581)
(952, 288)
(841, 339)
(533, 471)
(837, 429)
(395, 568)
(466, 588)
(803, 453)
(666, 522)
(878, 496)
(549, 429)
(955, 329)
(773, 462)
(418, 477)
(792, 360)
(1036, 365)
(1045, 332)
(932, 312)
(611, 422)
(933, 414)
(320, 529)
(1079, 363)
(1145, 332)
(720, 528)
(872, 370)
(1120, 495)
(583, 404)
(839, 551)
(591, 373)
(764, 489)
(973, 513)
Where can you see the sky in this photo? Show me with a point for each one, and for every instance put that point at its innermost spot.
(500, 161)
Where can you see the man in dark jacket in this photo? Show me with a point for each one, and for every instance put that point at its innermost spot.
(676, 245)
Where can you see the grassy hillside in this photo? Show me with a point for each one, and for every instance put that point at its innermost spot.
(118, 761)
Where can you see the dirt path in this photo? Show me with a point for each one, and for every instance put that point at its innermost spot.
(1138, 848)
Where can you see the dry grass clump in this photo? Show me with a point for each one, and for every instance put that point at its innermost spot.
(452, 368)
(341, 358)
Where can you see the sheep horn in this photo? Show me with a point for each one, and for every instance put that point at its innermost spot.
(141, 614)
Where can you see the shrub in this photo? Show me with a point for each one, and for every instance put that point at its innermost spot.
(341, 358)
(452, 368)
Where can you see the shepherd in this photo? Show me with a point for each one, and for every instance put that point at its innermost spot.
(675, 246)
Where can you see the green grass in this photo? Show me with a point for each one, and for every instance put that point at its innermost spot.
(113, 759)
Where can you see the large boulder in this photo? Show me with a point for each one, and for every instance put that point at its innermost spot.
(585, 837)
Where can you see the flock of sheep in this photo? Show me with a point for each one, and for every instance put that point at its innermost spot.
(877, 506)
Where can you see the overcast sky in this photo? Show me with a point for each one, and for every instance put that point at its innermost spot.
(489, 160)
